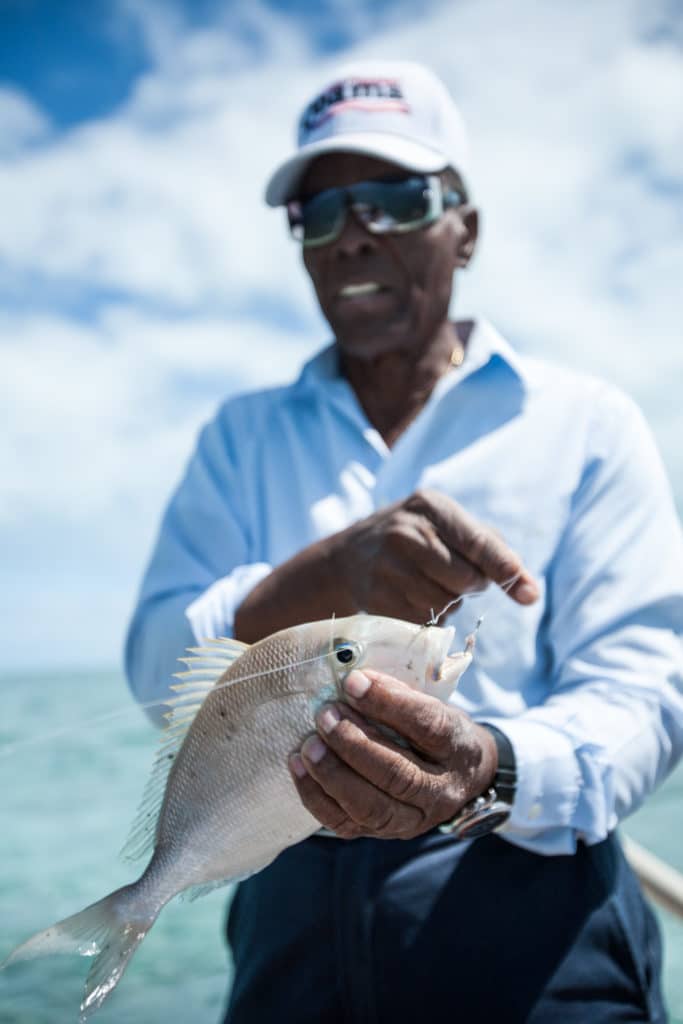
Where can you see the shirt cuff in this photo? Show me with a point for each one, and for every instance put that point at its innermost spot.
(548, 786)
(212, 614)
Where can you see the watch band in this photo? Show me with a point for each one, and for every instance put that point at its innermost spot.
(505, 779)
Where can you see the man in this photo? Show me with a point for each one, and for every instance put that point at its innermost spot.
(411, 461)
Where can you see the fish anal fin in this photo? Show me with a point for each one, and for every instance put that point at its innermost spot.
(195, 892)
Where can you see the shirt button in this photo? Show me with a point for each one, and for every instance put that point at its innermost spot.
(535, 811)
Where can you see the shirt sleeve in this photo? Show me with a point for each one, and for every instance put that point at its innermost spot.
(200, 571)
(612, 726)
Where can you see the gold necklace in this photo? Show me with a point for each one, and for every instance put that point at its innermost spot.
(458, 354)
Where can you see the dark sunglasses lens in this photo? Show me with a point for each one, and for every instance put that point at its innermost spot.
(318, 219)
(383, 206)
(394, 203)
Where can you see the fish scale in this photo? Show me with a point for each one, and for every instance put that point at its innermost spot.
(233, 724)
(221, 803)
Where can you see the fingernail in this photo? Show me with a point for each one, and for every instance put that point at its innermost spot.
(527, 592)
(314, 749)
(356, 684)
(297, 766)
(329, 718)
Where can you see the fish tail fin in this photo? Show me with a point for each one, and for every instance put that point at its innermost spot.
(110, 931)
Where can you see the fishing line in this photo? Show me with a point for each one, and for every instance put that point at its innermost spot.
(505, 587)
(7, 749)
(10, 748)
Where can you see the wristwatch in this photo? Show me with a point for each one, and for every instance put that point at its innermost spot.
(491, 810)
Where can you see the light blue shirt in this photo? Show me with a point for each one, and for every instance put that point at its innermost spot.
(587, 683)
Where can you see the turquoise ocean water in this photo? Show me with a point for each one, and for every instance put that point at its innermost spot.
(70, 781)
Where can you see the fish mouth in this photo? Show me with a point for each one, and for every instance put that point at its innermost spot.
(452, 666)
(451, 669)
(442, 666)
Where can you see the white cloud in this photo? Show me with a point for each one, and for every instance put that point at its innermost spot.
(98, 423)
(577, 136)
(21, 122)
(117, 405)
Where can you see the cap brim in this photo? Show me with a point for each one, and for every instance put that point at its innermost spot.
(411, 155)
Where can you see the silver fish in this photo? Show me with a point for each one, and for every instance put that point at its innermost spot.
(220, 804)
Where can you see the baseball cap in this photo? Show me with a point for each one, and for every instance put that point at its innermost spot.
(393, 110)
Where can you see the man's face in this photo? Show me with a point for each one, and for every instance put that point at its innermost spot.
(414, 270)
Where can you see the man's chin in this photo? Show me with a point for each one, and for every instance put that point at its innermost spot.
(364, 330)
(367, 345)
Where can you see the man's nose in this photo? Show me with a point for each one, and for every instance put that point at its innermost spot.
(355, 239)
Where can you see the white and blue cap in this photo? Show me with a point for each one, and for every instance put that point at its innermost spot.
(393, 110)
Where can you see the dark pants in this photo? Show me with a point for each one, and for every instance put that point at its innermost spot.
(377, 931)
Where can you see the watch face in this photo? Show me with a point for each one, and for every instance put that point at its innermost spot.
(481, 826)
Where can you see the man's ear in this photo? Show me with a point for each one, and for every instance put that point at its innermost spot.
(469, 218)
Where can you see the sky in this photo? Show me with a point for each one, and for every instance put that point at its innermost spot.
(143, 280)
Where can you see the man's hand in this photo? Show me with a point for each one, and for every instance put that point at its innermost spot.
(357, 782)
(404, 561)
(419, 554)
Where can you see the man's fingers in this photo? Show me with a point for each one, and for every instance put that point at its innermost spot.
(524, 590)
(366, 805)
(409, 586)
(316, 800)
(427, 723)
(393, 770)
(428, 571)
(456, 574)
(479, 545)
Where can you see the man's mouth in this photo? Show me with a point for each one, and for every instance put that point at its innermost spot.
(355, 291)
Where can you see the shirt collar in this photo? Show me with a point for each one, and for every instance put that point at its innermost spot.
(485, 344)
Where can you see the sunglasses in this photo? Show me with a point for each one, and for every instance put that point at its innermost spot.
(383, 206)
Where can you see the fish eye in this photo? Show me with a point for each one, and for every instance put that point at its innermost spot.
(345, 651)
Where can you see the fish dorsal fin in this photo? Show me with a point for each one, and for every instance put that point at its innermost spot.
(206, 666)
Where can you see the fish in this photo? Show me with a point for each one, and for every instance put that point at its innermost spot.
(220, 804)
